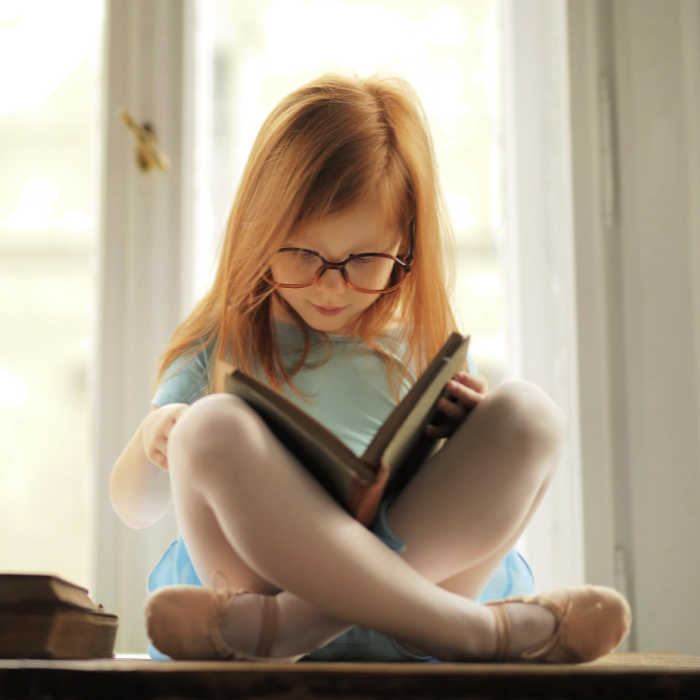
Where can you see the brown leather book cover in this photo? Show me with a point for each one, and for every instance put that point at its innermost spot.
(47, 616)
(396, 451)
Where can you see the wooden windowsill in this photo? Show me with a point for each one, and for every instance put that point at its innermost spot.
(638, 675)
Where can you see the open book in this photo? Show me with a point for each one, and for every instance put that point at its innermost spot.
(46, 616)
(396, 452)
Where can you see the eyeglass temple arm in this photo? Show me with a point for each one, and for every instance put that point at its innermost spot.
(408, 259)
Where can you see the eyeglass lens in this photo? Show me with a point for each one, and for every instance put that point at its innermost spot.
(301, 266)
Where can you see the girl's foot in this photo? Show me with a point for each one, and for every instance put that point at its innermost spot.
(195, 622)
(301, 628)
(529, 625)
(584, 623)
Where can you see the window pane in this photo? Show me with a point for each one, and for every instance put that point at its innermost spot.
(49, 117)
(448, 51)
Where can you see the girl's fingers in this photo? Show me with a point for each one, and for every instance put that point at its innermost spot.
(464, 394)
(171, 423)
(475, 381)
(450, 408)
(437, 431)
(159, 459)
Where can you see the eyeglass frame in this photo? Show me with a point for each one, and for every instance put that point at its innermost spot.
(405, 263)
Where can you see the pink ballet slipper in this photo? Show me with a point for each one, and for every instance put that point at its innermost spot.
(183, 622)
(591, 621)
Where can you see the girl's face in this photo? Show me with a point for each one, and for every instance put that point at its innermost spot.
(329, 304)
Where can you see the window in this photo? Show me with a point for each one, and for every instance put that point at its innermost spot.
(49, 132)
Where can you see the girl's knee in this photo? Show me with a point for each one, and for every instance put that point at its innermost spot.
(529, 415)
(210, 426)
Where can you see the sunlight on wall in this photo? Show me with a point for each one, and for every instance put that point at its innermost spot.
(13, 390)
(48, 174)
(33, 37)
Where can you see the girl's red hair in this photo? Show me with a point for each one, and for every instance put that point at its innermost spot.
(323, 149)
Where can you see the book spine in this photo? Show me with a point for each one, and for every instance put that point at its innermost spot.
(365, 500)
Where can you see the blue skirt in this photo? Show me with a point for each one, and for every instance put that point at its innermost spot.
(513, 577)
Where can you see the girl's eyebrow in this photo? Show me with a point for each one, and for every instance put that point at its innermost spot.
(360, 249)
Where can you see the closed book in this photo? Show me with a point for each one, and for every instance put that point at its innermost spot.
(394, 455)
(46, 616)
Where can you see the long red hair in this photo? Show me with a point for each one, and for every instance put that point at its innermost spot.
(325, 147)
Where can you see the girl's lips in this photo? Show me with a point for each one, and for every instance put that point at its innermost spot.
(328, 310)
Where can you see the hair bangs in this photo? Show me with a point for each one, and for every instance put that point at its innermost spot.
(355, 173)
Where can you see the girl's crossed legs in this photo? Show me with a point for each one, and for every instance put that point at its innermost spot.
(247, 509)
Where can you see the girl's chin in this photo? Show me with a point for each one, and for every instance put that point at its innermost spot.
(314, 319)
(328, 324)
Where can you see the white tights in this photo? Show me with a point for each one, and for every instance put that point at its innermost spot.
(246, 508)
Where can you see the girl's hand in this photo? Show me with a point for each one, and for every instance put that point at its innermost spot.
(155, 431)
(464, 392)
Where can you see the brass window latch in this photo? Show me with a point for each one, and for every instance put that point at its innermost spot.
(148, 155)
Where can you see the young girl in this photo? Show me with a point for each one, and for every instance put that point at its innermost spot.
(332, 287)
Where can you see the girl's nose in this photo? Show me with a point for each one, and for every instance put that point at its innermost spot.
(331, 280)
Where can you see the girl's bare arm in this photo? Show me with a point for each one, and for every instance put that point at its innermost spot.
(140, 486)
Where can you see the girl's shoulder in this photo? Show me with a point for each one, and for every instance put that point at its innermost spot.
(196, 359)
(186, 378)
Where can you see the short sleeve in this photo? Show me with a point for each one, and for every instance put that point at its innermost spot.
(184, 381)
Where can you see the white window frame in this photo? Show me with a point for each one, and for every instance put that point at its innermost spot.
(539, 261)
(146, 246)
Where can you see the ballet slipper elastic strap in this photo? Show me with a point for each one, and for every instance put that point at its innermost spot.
(533, 654)
(268, 625)
(502, 631)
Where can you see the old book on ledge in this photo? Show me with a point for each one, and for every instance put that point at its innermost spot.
(45, 616)
(396, 452)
